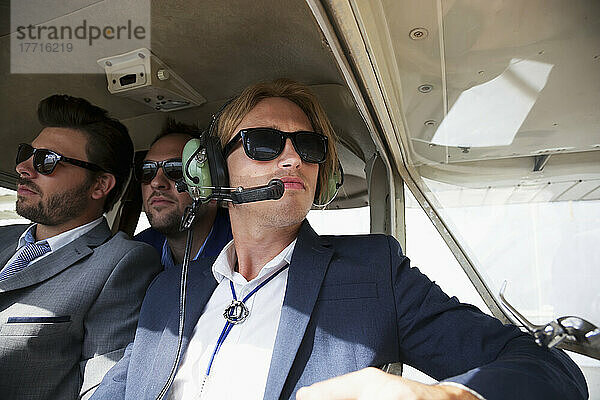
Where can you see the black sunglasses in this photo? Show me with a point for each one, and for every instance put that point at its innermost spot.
(44, 160)
(265, 144)
(147, 170)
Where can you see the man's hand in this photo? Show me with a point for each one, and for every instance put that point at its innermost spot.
(374, 384)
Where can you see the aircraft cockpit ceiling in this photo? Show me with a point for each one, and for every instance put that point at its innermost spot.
(217, 48)
(478, 94)
(485, 94)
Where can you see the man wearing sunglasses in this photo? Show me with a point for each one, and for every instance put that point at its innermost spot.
(282, 308)
(70, 291)
(164, 205)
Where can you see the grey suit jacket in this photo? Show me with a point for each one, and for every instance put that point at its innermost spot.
(66, 319)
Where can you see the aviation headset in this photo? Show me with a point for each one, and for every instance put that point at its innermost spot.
(212, 172)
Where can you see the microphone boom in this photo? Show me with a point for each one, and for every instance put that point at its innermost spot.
(272, 191)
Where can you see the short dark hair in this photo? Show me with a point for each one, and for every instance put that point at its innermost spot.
(172, 127)
(108, 142)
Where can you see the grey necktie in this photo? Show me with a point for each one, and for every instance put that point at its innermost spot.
(29, 253)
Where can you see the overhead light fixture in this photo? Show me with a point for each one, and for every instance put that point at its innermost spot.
(418, 33)
(425, 88)
(143, 77)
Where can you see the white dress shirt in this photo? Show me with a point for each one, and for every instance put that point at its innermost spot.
(240, 368)
(55, 242)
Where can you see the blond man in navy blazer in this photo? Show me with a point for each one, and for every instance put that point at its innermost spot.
(302, 308)
(67, 311)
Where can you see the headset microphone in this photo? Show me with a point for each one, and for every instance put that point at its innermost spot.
(272, 191)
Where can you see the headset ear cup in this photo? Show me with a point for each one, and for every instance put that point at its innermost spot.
(216, 162)
(326, 195)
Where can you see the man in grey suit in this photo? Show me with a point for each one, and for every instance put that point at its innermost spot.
(70, 292)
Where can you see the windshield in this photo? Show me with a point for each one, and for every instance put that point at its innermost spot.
(510, 158)
(544, 249)
(490, 111)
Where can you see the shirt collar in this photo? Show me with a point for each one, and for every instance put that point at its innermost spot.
(58, 241)
(166, 256)
(224, 265)
(27, 237)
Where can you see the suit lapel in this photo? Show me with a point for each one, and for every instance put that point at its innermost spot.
(201, 285)
(9, 237)
(58, 260)
(6, 254)
(307, 270)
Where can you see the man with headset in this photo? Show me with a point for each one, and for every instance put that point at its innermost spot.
(164, 205)
(281, 308)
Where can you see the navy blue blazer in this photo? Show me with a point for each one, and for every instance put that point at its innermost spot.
(217, 239)
(352, 302)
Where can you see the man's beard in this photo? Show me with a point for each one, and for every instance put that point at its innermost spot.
(167, 224)
(54, 209)
(289, 210)
(273, 214)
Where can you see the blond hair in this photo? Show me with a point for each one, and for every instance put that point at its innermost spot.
(300, 94)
